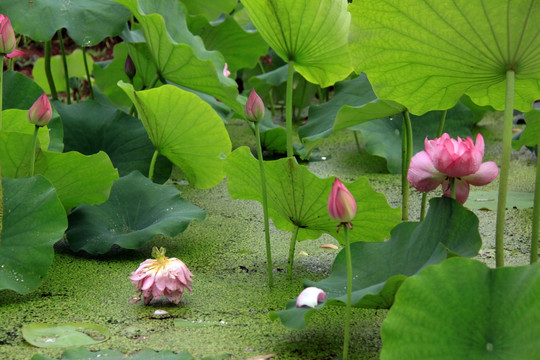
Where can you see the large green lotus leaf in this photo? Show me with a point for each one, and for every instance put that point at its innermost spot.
(383, 137)
(241, 49)
(186, 130)
(76, 68)
(136, 211)
(64, 335)
(14, 120)
(354, 103)
(298, 197)
(90, 128)
(34, 219)
(313, 33)
(210, 9)
(179, 56)
(380, 268)
(87, 22)
(145, 354)
(461, 309)
(427, 54)
(487, 200)
(265, 82)
(529, 136)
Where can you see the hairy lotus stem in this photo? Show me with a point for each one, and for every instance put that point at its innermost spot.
(265, 207)
(406, 154)
(291, 252)
(349, 295)
(289, 109)
(505, 167)
(88, 73)
(64, 61)
(48, 72)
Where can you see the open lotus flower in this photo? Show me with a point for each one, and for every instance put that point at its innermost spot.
(162, 276)
(445, 159)
(310, 297)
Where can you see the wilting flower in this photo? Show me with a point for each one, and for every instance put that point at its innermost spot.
(254, 107)
(41, 112)
(162, 276)
(15, 53)
(226, 71)
(445, 159)
(310, 297)
(7, 35)
(341, 204)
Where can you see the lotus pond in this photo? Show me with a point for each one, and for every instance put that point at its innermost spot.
(257, 179)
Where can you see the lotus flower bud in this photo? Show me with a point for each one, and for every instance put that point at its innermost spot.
(7, 36)
(129, 67)
(41, 112)
(254, 107)
(341, 203)
(226, 71)
(310, 297)
(162, 276)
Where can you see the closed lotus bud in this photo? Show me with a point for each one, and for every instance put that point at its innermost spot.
(254, 107)
(129, 68)
(226, 71)
(7, 36)
(41, 111)
(341, 203)
(310, 297)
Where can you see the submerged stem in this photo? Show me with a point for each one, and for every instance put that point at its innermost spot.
(349, 295)
(291, 252)
(265, 208)
(33, 153)
(505, 167)
(153, 165)
(64, 61)
(48, 71)
(289, 109)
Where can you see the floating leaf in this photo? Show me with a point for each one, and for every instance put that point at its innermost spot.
(33, 220)
(179, 56)
(461, 309)
(87, 22)
(487, 200)
(145, 354)
(380, 268)
(186, 130)
(313, 33)
(64, 335)
(297, 197)
(427, 54)
(90, 128)
(136, 211)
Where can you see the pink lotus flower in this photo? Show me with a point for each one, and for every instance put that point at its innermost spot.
(310, 297)
(254, 107)
(7, 35)
(341, 204)
(40, 112)
(15, 53)
(226, 71)
(162, 276)
(445, 159)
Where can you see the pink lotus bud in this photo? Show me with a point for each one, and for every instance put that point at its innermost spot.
(41, 112)
(162, 276)
(7, 36)
(310, 297)
(129, 67)
(341, 203)
(15, 53)
(226, 71)
(254, 107)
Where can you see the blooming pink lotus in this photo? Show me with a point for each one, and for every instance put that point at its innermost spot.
(310, 297)
(341, 204)
(162, 276)
(445, 159)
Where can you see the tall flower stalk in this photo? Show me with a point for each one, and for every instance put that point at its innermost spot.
(39, 114)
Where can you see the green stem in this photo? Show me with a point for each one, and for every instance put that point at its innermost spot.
(265, 208)
(64, 61)
(424, 195)
(291, 251)
(357, 141)
(1, 187)
(453, 188)
(406, 154)
(33, 153)
(536, 212)
(289, 108)
(48, 72)
(349, 295)
(88, 73)
(505, 167)
(153, 165)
